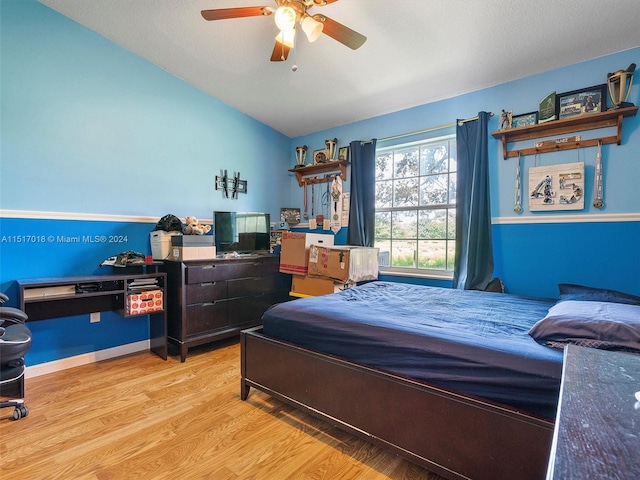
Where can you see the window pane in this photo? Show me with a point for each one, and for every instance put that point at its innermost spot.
(405, 193)
(451, 225)
(434, 190)
(433, 224)
(383, 226)
(432, 254)
(406, 162)
(451, 254)
(403, 254)
(384, 252)
(453, 155)
(404, 224)
(384, 192)
(453, 187)
(434, 158)
(384, 166)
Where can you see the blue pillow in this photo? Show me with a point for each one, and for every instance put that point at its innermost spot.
(607, 325)
(569, 291)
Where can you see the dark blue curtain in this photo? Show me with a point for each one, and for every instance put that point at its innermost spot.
(473, 265)
(363, 194)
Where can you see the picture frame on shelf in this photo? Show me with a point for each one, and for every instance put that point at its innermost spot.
(524, 120)
(321, 156)
(343, 153)
(582, 102)
(547, 111)
(290, 215)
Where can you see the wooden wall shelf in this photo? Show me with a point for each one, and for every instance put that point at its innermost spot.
(314, 170)
(610, 118)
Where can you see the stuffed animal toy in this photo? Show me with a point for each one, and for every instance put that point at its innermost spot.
(194, 227)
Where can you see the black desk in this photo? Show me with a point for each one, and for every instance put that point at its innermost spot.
(597, 431)
(45, 298)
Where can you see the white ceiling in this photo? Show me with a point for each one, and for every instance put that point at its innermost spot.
(417, 51)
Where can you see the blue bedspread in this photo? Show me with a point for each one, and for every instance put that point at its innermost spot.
(468, 341)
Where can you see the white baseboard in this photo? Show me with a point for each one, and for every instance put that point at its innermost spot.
(86, 358)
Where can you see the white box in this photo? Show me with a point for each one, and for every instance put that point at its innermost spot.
(180, 254)
(161, 243)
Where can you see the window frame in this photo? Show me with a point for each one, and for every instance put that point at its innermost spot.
(433, 273)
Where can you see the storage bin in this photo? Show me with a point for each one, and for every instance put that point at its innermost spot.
(161, 243)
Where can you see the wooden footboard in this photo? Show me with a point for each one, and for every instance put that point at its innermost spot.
(450, 434)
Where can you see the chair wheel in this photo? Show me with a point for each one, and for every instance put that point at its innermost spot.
(20, 412)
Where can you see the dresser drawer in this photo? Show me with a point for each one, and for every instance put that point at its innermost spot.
(205, 317)
(208, 272)
(249, 310)
(261, 267)
(206, 292)
(251, 286)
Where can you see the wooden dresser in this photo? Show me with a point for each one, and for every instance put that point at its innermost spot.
(212, 299)
(597, 431)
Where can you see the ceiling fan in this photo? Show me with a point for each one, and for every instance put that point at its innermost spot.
(287, 15)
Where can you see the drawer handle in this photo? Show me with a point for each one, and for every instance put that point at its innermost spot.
(207, 284)
(208, 267)
(208, 304)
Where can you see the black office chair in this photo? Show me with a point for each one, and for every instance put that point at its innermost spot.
(15, 342)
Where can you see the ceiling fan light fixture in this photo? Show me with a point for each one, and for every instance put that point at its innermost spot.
(285, 18)
(311, 27)
(287, 38)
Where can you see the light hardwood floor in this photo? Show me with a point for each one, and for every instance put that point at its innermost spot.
(140, 417)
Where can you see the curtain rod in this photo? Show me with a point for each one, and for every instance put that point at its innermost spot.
(431, 129)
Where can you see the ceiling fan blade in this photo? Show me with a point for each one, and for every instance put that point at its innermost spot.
(280, 52)
(339, 32)
(240, 12)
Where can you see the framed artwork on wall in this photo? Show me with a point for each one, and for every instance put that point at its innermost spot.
(581, 102)
(556, 187)
(524, 120)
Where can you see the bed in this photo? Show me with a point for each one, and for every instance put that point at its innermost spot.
(452, 380)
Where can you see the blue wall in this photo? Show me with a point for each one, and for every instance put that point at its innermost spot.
(534, 251)
(99, 142)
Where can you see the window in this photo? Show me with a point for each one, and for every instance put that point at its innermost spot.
(415, 207)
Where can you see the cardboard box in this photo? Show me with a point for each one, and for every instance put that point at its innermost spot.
(343, 263)
(180, 254)
(192, 241)
(144, 302)
(314, 286)
(294, 253)
(161, 243)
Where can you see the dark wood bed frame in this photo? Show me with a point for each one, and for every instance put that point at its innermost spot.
(453, 435)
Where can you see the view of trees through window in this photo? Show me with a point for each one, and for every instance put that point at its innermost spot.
(415, 205)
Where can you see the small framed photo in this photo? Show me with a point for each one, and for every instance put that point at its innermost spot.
(290, 215)
(581, 102)
(524, 120)
(343, 153)
(321, 156)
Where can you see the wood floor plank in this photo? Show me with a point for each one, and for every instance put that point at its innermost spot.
(141, 417)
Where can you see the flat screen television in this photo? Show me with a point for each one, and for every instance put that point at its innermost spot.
(242, 232)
